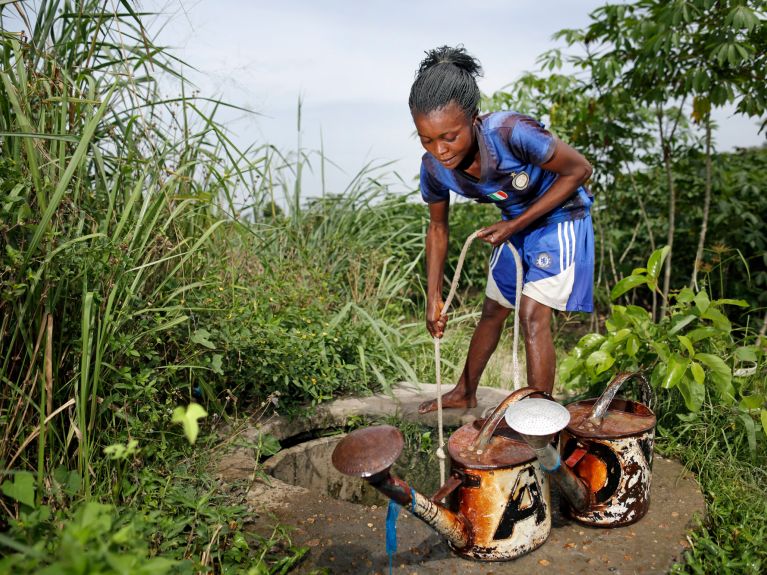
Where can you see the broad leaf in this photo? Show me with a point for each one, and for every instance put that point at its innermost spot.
(679, 322)
(632, 345)
(22, 489)
(188, 418)
(763, 416)
(677, 366)
(698, 374)
(687, 344)
(719, 320)
(701, 301)
(721, 375)
(202, 337)
(599, 362)
(655, 263)
(702, 333)
(626, 284)
(692, 392)
(752, 402)
(737, 302)
(746, 353)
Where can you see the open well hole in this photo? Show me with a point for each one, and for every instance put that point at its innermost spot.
(308, 465)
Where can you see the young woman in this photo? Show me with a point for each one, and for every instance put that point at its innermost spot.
(509, 160)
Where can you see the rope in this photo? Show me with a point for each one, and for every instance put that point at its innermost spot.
(441, 456)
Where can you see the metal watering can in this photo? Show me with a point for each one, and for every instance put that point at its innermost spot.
(609, 445)
(499, 504)
(604, 464)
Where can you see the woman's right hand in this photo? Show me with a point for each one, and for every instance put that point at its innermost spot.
(435, 320)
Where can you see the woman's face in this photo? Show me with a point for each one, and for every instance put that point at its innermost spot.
(447, 134)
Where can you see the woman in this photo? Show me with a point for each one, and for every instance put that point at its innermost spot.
(536, 181)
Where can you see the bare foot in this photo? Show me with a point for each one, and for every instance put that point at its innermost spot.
(451, 400)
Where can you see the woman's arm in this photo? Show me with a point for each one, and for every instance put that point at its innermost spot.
(436, 253)
(573, 170)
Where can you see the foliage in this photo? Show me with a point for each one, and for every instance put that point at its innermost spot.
(693, 350)
(184, 525)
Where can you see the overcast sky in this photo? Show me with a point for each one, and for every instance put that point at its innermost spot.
(352, 63)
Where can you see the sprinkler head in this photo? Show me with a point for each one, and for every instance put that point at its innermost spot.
(537, 420)
(368, 451)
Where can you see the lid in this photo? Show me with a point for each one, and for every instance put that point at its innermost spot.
(623, 418)
(505, 448)
(367, 451)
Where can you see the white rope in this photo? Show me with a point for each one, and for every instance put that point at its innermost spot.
(441, 456)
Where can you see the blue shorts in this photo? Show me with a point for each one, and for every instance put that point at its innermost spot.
(557, 267)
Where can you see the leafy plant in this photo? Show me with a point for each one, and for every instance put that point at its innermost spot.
(692, 350)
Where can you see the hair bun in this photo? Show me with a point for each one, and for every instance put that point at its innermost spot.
(457, 56)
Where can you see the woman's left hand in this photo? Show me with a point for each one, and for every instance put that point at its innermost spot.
(497, 233)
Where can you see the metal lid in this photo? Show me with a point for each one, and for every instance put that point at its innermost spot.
(537, 417)
(623, 418)
(505, 449)
(368, 451)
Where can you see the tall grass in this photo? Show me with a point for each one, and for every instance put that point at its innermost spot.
(110, 197)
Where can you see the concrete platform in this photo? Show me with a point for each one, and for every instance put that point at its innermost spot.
(346, 538)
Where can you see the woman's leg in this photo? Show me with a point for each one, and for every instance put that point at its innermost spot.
(483, 344)
(535, 318)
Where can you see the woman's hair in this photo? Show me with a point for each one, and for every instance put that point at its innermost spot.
(446, 74)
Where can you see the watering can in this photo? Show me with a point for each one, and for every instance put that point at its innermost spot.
(609, 445)
(604, 465)
(499, 504)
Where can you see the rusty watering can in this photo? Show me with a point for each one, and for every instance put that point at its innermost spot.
(604, 463)
(499, 504)
(609, 445)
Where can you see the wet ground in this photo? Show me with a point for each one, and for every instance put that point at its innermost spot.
(348, 538)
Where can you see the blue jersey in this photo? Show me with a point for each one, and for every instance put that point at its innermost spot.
(512, 148)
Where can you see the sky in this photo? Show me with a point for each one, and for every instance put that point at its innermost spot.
(352, 63)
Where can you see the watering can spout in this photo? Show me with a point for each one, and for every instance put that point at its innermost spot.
(369, 453)
(538, 421)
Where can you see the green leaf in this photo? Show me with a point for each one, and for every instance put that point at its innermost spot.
(763, 417)
(655, 263)
(702, 333)
(202, 337)
(599, 362)
(216, 363)
(721, 375)
(632, 345)
(677, 366)
(717, 318)
(590, 341)
(748, 423)
(188, 418)
(698, 374)
(626, 284)
(679, 322)
(685, 341)
(693, 393)
(752, 402)
(737, 302)
(746, 353)
(685, 295)
(701, 301)
(22, 489)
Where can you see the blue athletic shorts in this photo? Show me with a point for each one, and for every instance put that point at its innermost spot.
(557, 267)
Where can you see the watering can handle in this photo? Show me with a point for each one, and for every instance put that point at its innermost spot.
(646, 395)
(483, 438)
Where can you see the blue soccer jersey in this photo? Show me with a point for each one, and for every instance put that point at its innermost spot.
(512, 148)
